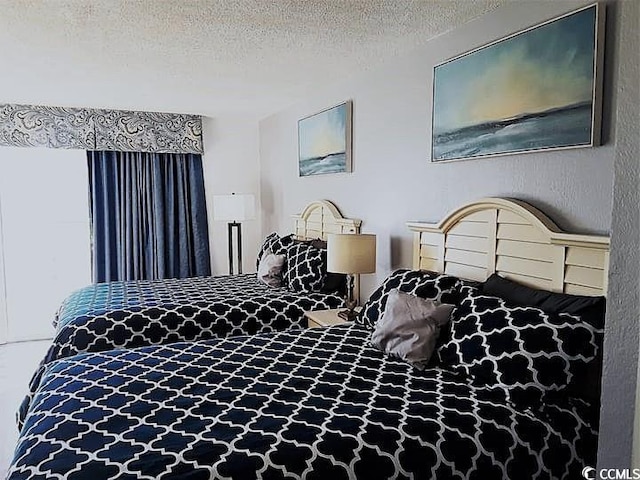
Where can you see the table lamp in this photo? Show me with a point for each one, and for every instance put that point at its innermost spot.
(234, 208)
(352, 255)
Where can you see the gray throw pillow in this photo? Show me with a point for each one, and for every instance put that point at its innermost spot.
(410, 327)
(270, 268)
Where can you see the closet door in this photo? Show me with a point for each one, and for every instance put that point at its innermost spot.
(46, 244)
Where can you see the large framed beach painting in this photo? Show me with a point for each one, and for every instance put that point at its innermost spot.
(324, 141)
(536, 89)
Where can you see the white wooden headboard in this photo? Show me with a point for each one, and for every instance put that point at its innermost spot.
(320, 218)
(516, 240)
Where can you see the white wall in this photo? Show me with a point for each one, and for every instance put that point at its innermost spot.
(231, 165)
(45, 235)
(392, 179)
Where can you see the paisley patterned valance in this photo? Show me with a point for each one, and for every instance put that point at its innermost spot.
(99, 129)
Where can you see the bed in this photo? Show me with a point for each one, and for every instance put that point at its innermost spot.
(321, 403)
(159, 301)
(136, 313)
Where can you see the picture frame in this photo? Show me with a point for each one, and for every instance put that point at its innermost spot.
(325, 141)
(537, 89)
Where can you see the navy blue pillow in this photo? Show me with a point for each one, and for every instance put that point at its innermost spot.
(523, 351)
(333, 282)
(587, 384)
(276, 244)
(590, 309)
(306, 268)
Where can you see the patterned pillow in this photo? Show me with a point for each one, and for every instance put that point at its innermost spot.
(428, 285)
(522, 350)
(275, 244)
(306, 268)
(334, 282)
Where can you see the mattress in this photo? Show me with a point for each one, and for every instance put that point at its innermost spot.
(131, 314)
(315, 403)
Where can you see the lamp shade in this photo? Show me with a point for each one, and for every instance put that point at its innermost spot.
(235, 207)
(347, 253)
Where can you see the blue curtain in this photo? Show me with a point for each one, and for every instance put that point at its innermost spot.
(148, 216)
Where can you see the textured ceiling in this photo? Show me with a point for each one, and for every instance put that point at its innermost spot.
(205, 56)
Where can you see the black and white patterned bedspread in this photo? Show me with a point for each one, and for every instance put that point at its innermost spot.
(316, 403)
(132, 314)
(248, 304)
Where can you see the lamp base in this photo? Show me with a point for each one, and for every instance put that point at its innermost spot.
(348, 314)
(231, 226)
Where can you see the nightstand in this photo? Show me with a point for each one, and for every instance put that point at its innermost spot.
(324, 318)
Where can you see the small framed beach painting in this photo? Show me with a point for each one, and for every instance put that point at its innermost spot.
(324, 141)
(537, 89)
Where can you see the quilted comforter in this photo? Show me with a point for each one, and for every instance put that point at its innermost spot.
(315, 403)
(131, 314)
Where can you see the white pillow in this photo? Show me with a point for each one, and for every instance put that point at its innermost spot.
(270, 268)
(410, 327)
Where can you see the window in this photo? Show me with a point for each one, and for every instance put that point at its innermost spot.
(45, 236)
